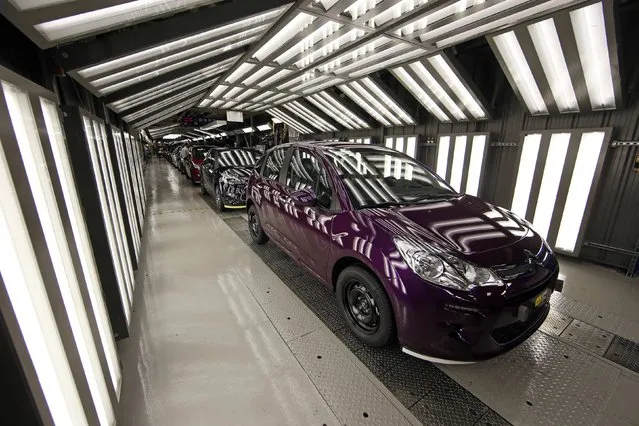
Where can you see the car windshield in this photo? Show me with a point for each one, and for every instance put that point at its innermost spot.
(238, 158)
(379, 176)
(199, 152)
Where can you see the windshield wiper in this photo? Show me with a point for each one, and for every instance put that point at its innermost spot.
(432, 197)
(383, 204)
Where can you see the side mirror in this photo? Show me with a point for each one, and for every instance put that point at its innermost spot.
(304, 197)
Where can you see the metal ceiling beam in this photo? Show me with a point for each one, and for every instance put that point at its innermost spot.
(161, 97)
(147, 84)
(116, 44)
(65, 9)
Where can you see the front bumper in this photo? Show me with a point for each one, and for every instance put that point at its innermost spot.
(445, 327)
(195, 174)
(234, 196)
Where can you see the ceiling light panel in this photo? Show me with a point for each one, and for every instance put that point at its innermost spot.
(286, 99)
(240, 72)
(311, 55)
(257, 75)
(292, 28)
(393, 12)
(275, 77)
(338, 111)
(335, 65)
(108, 18)
(200, 52)
(195, 92)
(516, 66)
(166, 113)
(376, 100)
(310, 116)
(323, 32)
(365, 104)
(161, 71)
(175, 84)
(360, 7)
(540, 64)
(328, 83)
(410, 53)
(546, 41)
(325, 4)
(279, 114)
(589, 27)
(418, 92)
(245, 27)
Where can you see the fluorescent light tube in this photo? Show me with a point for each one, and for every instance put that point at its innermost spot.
(240, 72)
(459, 155)
(550, 182)
(263, 127)
(107, 18)
(389, 104)
(248, 130)
(366, 105)
(442, 156)
(589, 27)
(330, 111)
(411, 146)
(527, 163)
(475, 165)
(546, 41)
(340, 107)
(293, 27)
(419, 93)
(256, 75)
(437, 90)
(51, 220)
(518, 68)
(460, 90)
(579, 190)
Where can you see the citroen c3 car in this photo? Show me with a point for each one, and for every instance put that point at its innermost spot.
(453, 278)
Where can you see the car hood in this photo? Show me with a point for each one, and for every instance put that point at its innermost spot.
(241, 173)
(462, 224)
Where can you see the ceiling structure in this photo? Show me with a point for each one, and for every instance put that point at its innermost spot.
(313, 63)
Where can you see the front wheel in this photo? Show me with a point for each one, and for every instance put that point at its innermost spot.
(255, 227)
(366, 307)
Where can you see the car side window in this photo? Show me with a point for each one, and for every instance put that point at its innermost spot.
(305, 171)
(273, 164)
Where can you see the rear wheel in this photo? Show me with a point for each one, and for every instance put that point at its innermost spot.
(366, 307)
(255, 227)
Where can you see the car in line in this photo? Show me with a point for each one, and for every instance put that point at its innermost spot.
(225, 173)
(453, 278)
(193, 161)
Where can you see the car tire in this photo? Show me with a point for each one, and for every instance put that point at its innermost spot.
(204, 191)
(219, 203)
(255, 227)
(365, 306)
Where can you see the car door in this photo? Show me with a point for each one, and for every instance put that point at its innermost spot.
(269, 190)
(308, 229)
(207, 170)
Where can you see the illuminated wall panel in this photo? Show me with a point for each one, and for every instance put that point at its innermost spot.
(557, 178)
(460, 160)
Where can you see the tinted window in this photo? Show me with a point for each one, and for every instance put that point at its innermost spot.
(274, 163)
(237, 158)
(377, 175)
(305, 171)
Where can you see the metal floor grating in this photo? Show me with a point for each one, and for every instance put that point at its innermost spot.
(624, 352)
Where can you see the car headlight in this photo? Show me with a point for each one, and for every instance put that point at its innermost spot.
(444, 269)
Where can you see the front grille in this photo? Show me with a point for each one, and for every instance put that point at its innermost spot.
(511, 332)
(510, 272)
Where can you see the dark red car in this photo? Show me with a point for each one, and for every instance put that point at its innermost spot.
(455, 279)
(193, 161)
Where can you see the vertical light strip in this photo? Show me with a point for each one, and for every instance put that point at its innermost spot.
(389, 143)
(399, 146)
(550, 182)
(476, 162)
(137, 187)
(116, 212)
(81, 235)
(459, 155)
(546, 42)
(527, 165)
(590, 34)
(126, 186)
(411, 146)
(579, 190)
(517, 66)
(35, 165)
(108, 220)
(442, 156)
(25, 288)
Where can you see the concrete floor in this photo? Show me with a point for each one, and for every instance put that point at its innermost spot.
(217, 338)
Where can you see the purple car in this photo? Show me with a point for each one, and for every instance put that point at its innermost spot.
(453, 278)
